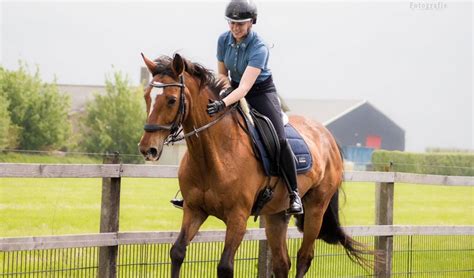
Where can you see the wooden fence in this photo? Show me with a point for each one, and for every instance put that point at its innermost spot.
(110, 238)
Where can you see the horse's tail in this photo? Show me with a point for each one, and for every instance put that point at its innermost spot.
(332, 233)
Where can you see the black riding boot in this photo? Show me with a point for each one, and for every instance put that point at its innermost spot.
(288, 171)
(178, 203)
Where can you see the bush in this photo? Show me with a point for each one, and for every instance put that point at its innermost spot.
(38, 111)
(448, 150)
(49, 157)
(114, 121)
(452, 164)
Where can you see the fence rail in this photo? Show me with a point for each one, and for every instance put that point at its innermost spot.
(125, 238)
(110, 239)
(26, 170)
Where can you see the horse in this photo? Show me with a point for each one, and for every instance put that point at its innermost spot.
(219, 174)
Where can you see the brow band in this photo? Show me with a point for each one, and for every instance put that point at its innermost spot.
(164, 85)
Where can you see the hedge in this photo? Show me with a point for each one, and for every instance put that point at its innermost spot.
(452, 164)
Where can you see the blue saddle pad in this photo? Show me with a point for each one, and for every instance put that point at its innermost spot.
(303, 159)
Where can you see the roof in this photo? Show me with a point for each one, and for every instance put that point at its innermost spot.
(325, 111)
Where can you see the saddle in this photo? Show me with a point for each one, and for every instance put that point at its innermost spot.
(266, 147)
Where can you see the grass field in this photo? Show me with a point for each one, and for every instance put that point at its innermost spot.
(71, 206)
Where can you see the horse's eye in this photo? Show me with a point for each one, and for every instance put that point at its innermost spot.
(171, 101)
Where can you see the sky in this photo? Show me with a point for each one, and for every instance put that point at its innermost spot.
(411, 59)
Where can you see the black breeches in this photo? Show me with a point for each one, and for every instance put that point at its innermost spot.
(268, 105)
(263, 98)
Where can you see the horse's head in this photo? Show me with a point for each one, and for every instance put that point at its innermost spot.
(165, 104)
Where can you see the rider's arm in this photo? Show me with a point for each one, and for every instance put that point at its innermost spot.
(222, 70)
(246, 83)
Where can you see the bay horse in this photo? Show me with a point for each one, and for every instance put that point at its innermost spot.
(219, 174)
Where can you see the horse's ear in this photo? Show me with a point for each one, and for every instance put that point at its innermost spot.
(178, 64)
(149, 64)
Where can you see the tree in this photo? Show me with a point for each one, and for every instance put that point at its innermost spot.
(37, 110)
(7, 135)
(114, 121)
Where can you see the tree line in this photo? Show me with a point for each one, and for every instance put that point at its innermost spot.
(34, 115)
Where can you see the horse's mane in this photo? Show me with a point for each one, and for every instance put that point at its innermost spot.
(205, 76)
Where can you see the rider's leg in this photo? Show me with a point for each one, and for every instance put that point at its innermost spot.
(288, 170)
(269, 105)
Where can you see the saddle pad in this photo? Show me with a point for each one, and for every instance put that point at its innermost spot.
(303, 159)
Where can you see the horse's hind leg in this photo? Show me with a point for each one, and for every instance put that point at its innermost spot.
(275, 228)
(192, 220)
(315, 203)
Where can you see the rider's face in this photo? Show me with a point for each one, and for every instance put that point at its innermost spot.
(240, 29)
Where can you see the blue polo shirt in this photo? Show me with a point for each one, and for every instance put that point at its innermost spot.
(252, 51)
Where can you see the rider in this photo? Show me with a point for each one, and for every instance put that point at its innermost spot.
(242, 54)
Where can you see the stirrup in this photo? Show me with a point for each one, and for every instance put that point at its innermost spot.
(290, 211)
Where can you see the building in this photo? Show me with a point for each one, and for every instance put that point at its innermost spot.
(352, 122)
(358, 126)
(80, 94)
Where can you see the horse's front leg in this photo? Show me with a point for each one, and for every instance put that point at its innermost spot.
(235, 231)
(276, 227)
(192, 220)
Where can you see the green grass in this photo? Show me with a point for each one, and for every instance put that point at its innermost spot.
(71, 206)
(414, 204)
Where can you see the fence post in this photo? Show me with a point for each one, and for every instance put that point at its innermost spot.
(109, 220)
(264, 256)
(384, 192)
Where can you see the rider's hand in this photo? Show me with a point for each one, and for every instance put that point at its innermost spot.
(215, 106)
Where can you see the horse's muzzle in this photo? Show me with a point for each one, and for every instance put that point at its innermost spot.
(151, 153)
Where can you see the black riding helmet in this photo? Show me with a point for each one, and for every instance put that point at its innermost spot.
(241, 10)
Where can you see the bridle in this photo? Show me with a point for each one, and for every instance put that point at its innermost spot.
(175, 127)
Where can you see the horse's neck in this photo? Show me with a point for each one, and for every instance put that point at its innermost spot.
(211, 144)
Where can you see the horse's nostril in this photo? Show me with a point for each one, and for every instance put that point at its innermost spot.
(153, 152)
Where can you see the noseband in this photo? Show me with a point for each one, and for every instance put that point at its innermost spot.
(174, 127)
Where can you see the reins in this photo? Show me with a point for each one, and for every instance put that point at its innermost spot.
(172, 138)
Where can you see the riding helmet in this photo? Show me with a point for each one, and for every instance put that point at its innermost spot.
(241, 10)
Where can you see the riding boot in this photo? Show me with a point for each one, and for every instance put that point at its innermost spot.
(288, 171)
(177, 203)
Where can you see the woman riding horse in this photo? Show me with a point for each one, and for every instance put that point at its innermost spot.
(219, 174)
(243, 54)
